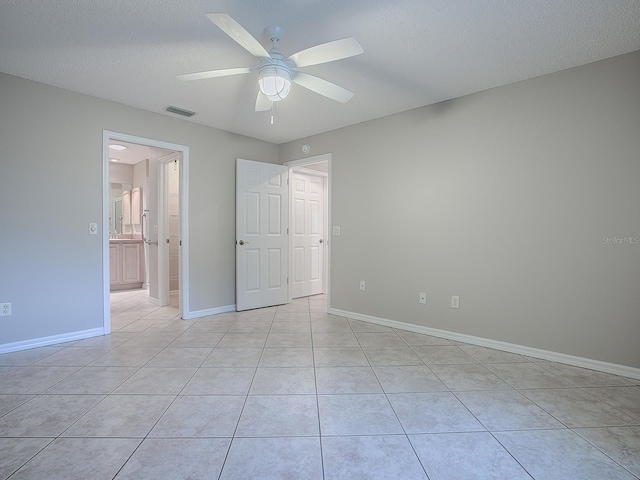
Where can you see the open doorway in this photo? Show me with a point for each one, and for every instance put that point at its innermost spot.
(143, 223)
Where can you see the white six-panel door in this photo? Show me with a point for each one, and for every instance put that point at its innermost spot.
(262, 216)
(307, 235)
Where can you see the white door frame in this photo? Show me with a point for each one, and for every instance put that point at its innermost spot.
(107, 136)
(325, 157)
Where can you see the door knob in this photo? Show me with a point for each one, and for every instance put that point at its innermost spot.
(242, 242)
(321, 241)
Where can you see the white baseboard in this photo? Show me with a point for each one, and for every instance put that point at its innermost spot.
(41, 342)
(614, 368)
(209, 311)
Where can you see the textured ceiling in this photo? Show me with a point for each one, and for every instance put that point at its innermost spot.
(417, 52)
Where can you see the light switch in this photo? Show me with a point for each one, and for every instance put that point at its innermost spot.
(93, 229)
(336, 230)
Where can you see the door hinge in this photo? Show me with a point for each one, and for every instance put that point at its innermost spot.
(287, 280)
(287, 231)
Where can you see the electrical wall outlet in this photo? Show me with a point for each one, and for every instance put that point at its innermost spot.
(363, 285)
(5, 309)
(455, 301)
(423, 298)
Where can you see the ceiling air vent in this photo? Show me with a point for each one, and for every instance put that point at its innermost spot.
(180, 111)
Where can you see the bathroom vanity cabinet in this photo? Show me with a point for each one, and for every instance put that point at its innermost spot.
(126, 263)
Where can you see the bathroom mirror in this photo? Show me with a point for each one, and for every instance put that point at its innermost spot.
(116, 212)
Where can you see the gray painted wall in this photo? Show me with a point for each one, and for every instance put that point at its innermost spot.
(51, 188)
(502, 198)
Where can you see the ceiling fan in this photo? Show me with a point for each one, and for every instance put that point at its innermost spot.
(275, 72)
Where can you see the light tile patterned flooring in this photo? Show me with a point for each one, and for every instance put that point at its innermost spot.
(292, 392)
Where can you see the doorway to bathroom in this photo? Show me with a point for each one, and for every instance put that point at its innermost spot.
(153, 228)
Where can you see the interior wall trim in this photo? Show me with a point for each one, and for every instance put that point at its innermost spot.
(53, 339)
(606, 367)
(209, 311)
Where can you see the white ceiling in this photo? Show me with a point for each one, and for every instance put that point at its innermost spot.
(417, 52)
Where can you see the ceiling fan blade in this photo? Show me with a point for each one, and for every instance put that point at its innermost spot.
(327, 52)
(215, 73)
(318, 85)
(232, 28)
(262, 102)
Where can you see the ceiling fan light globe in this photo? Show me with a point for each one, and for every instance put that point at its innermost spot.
(275, 84)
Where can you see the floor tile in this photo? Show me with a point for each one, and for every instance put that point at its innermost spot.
(374, 457)
(287, 357)
(346, 380)
(180, 357)
(10, 402)
(279, 340)
(290, 327)
(418, 339)
(65, 458)
(553, 454)
(360, 414)
(245, 340)
(121, 416)
(527, 375)
(259, 326)
(279, 415)
(489, 355)
(283, 380)
(124, 356)
(93, 380)
(622, 444)
(330, 324)
(374, 339)
(433, 413)
(360, 326)
(46, 415)
(342, 339)
(507, 410)
(442, 354)
(200, 416)
(386, 356)
(411, 378)
(156, 381)
(233, 357)
(197, 339)
(582, 377)
(27, 357)
(151, 339)
(174, 458)
(34, 379)
(468, 377)
(220, 381)
(73, 357)
(340, 357)
(466, 456)
(274, 458)
(576, 408)
(15, 452)
(625, 399)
